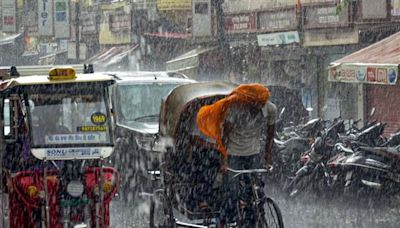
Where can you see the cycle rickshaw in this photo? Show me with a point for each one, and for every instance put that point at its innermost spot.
(191, 194)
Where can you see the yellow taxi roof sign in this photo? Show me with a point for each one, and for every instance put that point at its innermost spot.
(62, 73)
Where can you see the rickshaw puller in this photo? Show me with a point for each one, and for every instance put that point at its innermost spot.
(236, 122)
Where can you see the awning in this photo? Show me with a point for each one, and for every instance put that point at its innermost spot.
(375, 64)
(169, 35)
(9, 39)
(188, 60)
(56, 58)
(111, 57)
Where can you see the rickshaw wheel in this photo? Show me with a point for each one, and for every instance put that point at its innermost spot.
(166, 199)
(271, 216)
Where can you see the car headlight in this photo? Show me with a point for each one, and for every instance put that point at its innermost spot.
(75, 188)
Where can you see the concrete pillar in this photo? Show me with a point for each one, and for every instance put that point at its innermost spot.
(361, 103)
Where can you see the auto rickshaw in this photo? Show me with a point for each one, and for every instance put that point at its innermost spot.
(191, 195)
(53, 152)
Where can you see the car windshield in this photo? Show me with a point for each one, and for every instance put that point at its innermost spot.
(141, 102)
(66, 118)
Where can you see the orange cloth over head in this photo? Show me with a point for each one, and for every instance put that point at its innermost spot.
(210, 118)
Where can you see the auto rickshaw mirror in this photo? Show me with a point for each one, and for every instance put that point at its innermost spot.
(6, 117)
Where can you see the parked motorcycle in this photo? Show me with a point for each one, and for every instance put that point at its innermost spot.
(370, 172)
(314, 173)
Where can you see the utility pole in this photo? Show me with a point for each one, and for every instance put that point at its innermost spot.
(77, 23)
(222, 42)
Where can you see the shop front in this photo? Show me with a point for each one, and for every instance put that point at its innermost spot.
(375, 68)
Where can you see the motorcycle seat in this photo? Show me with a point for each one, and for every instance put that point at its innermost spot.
(390, 152)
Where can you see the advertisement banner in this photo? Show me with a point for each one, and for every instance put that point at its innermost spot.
(45, 14)
(61, 19)
(395, 8)
(384, 74)
(240, 22)
(9, 16)
(278, 20)
(278, 38)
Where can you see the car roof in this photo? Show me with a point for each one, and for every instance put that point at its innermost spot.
(148, 77)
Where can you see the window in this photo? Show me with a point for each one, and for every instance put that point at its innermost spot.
(201, 8)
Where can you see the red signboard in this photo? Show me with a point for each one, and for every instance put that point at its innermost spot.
(8, 20)
(240, 22)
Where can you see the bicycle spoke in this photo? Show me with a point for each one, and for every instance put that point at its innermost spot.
(272, 215)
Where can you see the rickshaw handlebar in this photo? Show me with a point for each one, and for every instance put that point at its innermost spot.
(243, 171)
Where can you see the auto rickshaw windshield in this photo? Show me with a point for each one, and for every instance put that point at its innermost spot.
(69, 118)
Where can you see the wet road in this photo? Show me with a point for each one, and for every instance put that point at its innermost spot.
(310, 212)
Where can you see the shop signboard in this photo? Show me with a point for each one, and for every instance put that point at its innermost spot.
(384, 74)
(240, 22)
(374, 9)
(88, 22)
(395, 6)
(45, 14)
(326, 16)
(309, 2)
(31, 30)
(110, 33)
(237, 6)
(166, 5)
(119, 21)
(61, 19)
(327, 37)
(9, 23)
(283, 19)
(278, 38)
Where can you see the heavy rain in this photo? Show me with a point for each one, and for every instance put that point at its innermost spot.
(199, 113)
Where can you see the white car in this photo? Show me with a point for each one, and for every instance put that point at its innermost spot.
(136, 99)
